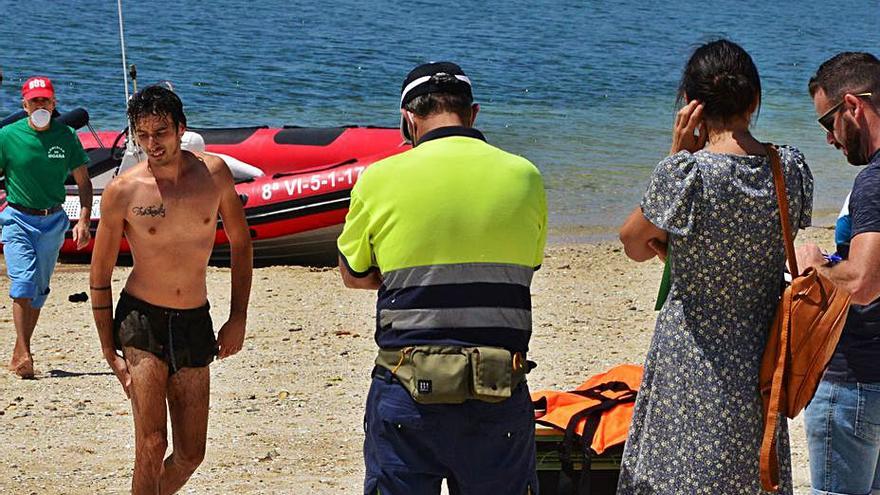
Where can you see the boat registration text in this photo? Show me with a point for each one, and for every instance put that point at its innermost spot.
(295, 186)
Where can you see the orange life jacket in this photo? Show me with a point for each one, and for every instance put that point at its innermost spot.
(556, 409)
(595, 416)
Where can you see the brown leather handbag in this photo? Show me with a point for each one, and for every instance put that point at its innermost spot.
(802, 339)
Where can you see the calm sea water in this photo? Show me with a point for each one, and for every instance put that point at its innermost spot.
(584, 89)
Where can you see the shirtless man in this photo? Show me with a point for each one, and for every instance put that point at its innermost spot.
(167, 207)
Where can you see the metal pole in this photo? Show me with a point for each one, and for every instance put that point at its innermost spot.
(122, 45)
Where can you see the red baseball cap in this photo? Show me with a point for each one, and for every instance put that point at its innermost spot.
(37, 87)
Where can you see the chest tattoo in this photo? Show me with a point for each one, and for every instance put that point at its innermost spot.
(150, 211)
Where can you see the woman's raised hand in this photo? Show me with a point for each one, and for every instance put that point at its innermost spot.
(684, 135)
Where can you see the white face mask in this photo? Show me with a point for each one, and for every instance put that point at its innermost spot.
(41, 117)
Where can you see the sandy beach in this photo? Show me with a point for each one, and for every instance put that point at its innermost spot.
(286, 412)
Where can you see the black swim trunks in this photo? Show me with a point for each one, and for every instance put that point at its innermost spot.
(182, 338)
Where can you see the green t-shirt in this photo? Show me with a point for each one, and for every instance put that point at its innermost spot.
(36, 164)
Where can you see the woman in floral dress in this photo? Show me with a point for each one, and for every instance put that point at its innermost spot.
(711, 205)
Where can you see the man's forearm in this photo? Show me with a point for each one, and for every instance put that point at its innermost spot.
(849, 277)
(371, 281)
(85, 216)
(104, 322)
(102, 311)
(86, 195)
(242, 265)
(85, 201)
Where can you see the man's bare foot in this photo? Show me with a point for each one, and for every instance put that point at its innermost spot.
(23, 367)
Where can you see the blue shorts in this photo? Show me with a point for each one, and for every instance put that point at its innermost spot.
(478, 447)
(30, 246)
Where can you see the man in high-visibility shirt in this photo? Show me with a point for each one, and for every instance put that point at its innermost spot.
(450, 233)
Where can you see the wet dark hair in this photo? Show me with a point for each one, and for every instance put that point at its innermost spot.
(723, 77)
(847, 72)
(457, 102)
(156, 100)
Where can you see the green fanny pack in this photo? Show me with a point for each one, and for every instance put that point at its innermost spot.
(452, 375)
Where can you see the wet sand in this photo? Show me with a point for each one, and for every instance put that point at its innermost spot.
(286, 412)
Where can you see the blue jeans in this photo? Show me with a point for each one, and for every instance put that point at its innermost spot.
(479, 447)
(30, 246)
(843, 436)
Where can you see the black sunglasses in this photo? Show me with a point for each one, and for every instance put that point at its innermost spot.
(827, 118)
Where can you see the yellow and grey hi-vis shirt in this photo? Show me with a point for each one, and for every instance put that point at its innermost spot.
(457, 228)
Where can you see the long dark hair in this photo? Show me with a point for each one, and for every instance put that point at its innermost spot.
(723, 77)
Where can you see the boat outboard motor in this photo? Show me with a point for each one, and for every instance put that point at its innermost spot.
(76, 118)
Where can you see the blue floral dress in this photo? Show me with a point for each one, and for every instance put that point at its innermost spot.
(697, 424)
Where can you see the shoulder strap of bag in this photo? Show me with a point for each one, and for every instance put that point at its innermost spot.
(768, 459)
(782, 201)
(769, 462)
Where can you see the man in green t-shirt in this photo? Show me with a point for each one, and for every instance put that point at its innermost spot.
(36, 154)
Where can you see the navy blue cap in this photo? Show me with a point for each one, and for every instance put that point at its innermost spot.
(429, 78)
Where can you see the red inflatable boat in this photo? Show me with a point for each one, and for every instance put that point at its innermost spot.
(295, 183)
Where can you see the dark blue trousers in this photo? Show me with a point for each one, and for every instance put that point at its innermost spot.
(479, 447)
